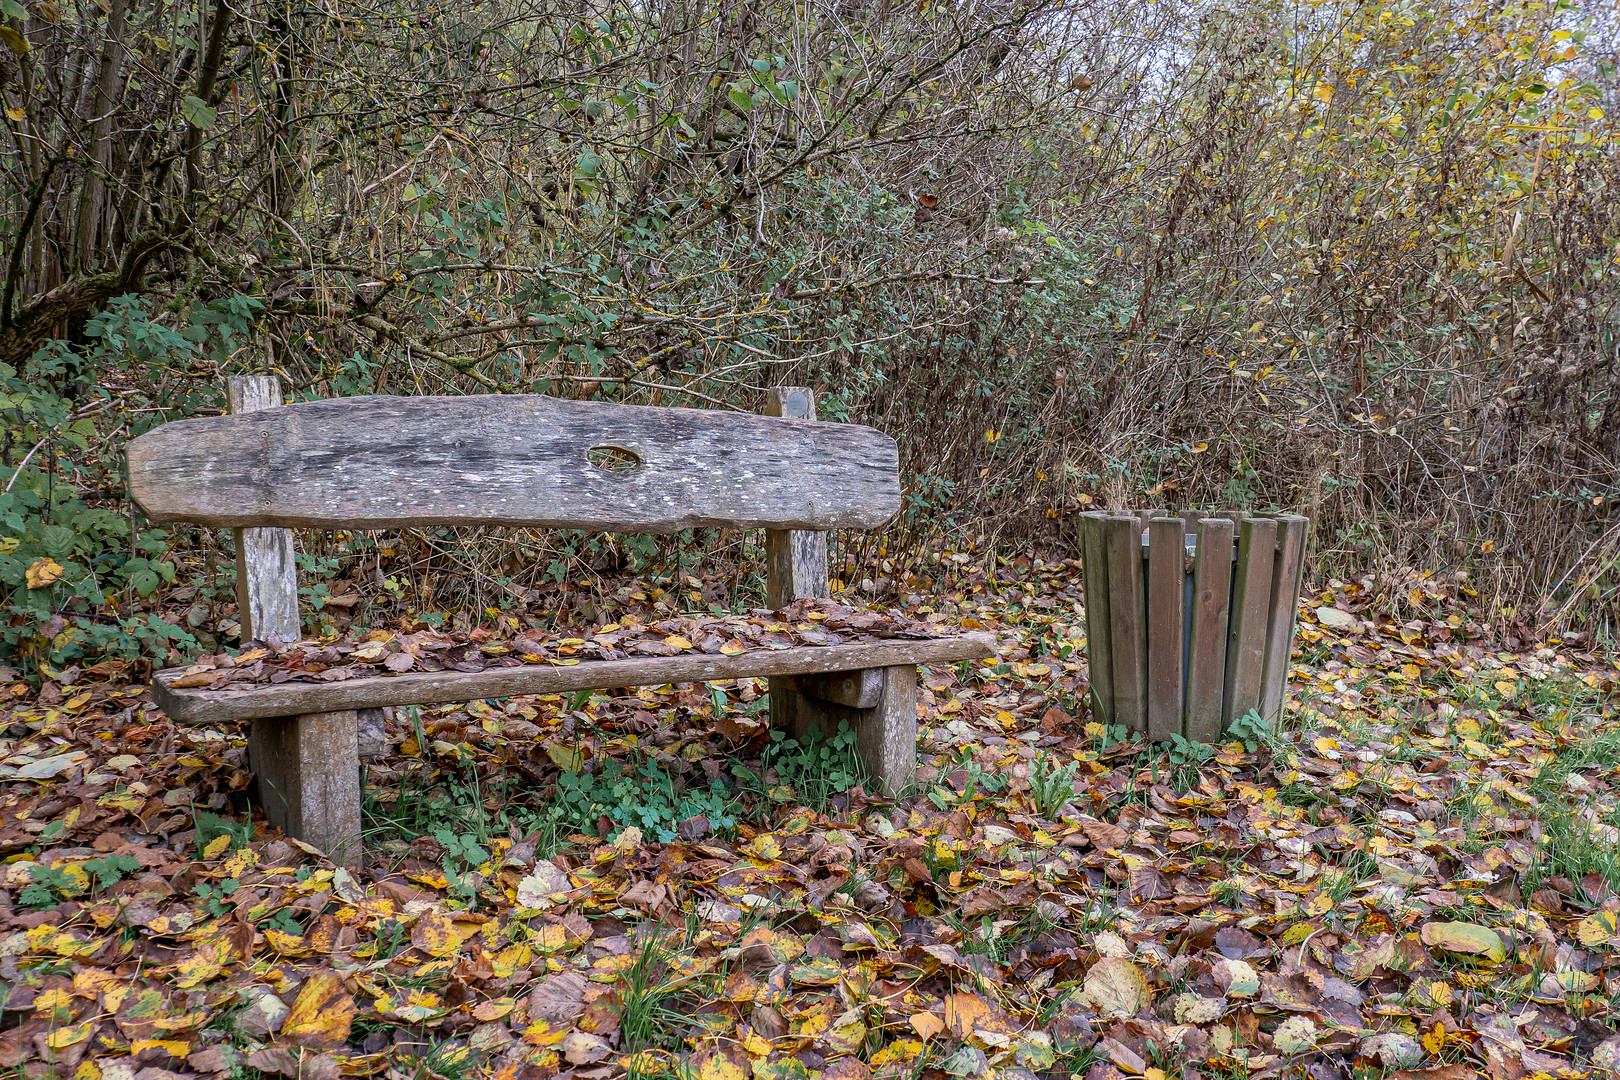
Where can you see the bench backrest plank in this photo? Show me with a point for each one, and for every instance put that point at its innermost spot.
(392, 462)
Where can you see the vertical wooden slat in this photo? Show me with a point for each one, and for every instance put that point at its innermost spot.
(795, 567)
(795, 559)
(1212, 592)
(1127, 639)
(1251, 604)
(1147, 516)
(308, 770)
(1167, 579)
(1285, 579)
(1094, 565)
(266, 572)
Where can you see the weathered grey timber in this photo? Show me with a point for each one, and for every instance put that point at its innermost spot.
(1219, 623)
(1285, 582)
(371, 463)
(1166, 589)
(440, 687)
(1251, 609)
(1099, 628)
(1206, 663)
(307, 767)
(858, 689)
(393, 462)
(266, 573)
(1127, 644)
(795, 560)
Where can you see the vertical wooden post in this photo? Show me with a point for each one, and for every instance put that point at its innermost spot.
(1127, 645)
(1206, 663)
(266, 572)
(1167, 581)
(1251, 607)
(307, 767)
(795, 567)
(1285, 582)
(795, 559)
(1094, 563)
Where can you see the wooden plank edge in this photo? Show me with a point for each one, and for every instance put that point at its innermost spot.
(444, 687)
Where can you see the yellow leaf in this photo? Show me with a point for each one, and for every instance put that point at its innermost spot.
(323, 1013)
(1597, 928)
(899, 1052)
(1323, 92)
(217, 846)
(284, 944)
(927, 1025)
(435, 934)
(1117, 987)
(716, 1065)
(44, 572)
(15, 115)
(177, 1048)
(1461, 937)
(675, 641)
(201, 966)
(67, 1036)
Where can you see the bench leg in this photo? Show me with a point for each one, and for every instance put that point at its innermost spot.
(308, 770)
(886, 734)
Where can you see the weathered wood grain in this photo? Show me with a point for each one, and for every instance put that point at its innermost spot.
(1251, 605)
(1285, 581)
(266, 573)
(1206, 661)
(1166, 628)
(440, 687)
(858, 689)
(392, 462)
(1127, 642)
(1094, 568)
(795, 560)
(308, 773)
(795, 567)
(887, 736)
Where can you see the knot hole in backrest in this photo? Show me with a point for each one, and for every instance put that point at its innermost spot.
(616, 461)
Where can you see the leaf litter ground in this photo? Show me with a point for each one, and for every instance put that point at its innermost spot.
(1416, 877)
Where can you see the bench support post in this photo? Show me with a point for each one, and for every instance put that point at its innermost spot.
(309, 779)
(308, 767)
(885, 733)
(266, 573)
(880, 704)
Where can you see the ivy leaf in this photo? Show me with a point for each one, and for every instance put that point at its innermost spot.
(742, 99)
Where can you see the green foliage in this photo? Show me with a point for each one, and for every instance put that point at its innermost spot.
(1051, 784)
(210, 826)
(648, 798)
(1250, 730)
(73, 575)
(214, 896)
(809, 772)
(50, 885)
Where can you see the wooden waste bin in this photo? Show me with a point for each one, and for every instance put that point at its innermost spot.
(1189, 619)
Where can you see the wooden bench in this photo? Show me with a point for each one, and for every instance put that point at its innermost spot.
(390, 462)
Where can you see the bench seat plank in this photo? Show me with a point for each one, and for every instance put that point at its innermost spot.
(511, 459)
(441, 687)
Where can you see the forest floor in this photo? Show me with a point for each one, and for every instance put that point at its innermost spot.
(1417, 877)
